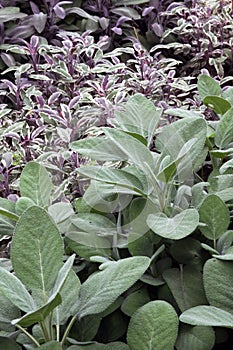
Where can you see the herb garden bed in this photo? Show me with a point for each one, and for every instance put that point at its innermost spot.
(116, 175)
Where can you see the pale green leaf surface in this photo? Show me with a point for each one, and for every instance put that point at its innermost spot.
(177, 227)
(37, 251)
(8, 311)
(134, 301)
(99, 148)
(224, 131)
(186, 286)
(113, 176)
(40, 314)
(135, 151)
(215, 214)
(69, 295)
(195, 338)
(101, 289)
(208, 86)
(158, 330)
(140, 116)
(12, 288)
(35, 183)
(218, 276)
(173, 137)
(22, 204)
(205, 315)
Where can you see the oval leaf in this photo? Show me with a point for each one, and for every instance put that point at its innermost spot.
(37, 251)
(35, 184)
(195, 338)
(177, 227)
(218, 276)
(218, 104)
(205, 315)
(186, 286)
(208, 86)
(224, 131)
(215, 215)
(159, 330)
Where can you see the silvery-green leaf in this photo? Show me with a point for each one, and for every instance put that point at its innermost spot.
(12, 288)
(177, 227)
(69, 295)
(113, 176)
(153, 327)
(134, 301)
(208, 86)
(186, 286)
(35, 183)
(205, 315)
(102, 289)
(139, 116)
(40, 314)
(224, 132)
(174, 136)
(195, 338)
(217, 276)
(135, 151)
(37, 251)
(215, 215)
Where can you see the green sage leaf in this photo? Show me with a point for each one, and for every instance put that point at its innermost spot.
(215, 215)
(101, 289)
(205, 315)
(177, 227)
(160, 327)
(37, 251)
(35, 183)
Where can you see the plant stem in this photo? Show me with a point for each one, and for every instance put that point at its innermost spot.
(51, 325)
(58, 332)
(45, 331)
(215, 244)
(68, 328)
(28, 335)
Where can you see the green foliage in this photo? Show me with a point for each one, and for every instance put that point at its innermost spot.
(159, 329)
(143, 195)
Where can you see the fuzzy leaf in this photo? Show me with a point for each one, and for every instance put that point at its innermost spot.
(195, 338)
(173, 138)
(205, 315)
(113, 176)
(177, 227)
(101, 289)
(14, 290)
(186, 286)
(215, 214)
(40, 314)
(35, 184)
(208, 86)
(224, 132)
(37, 251)
(217, 276)
(160, 327)
(218, 104)
(140, 116)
